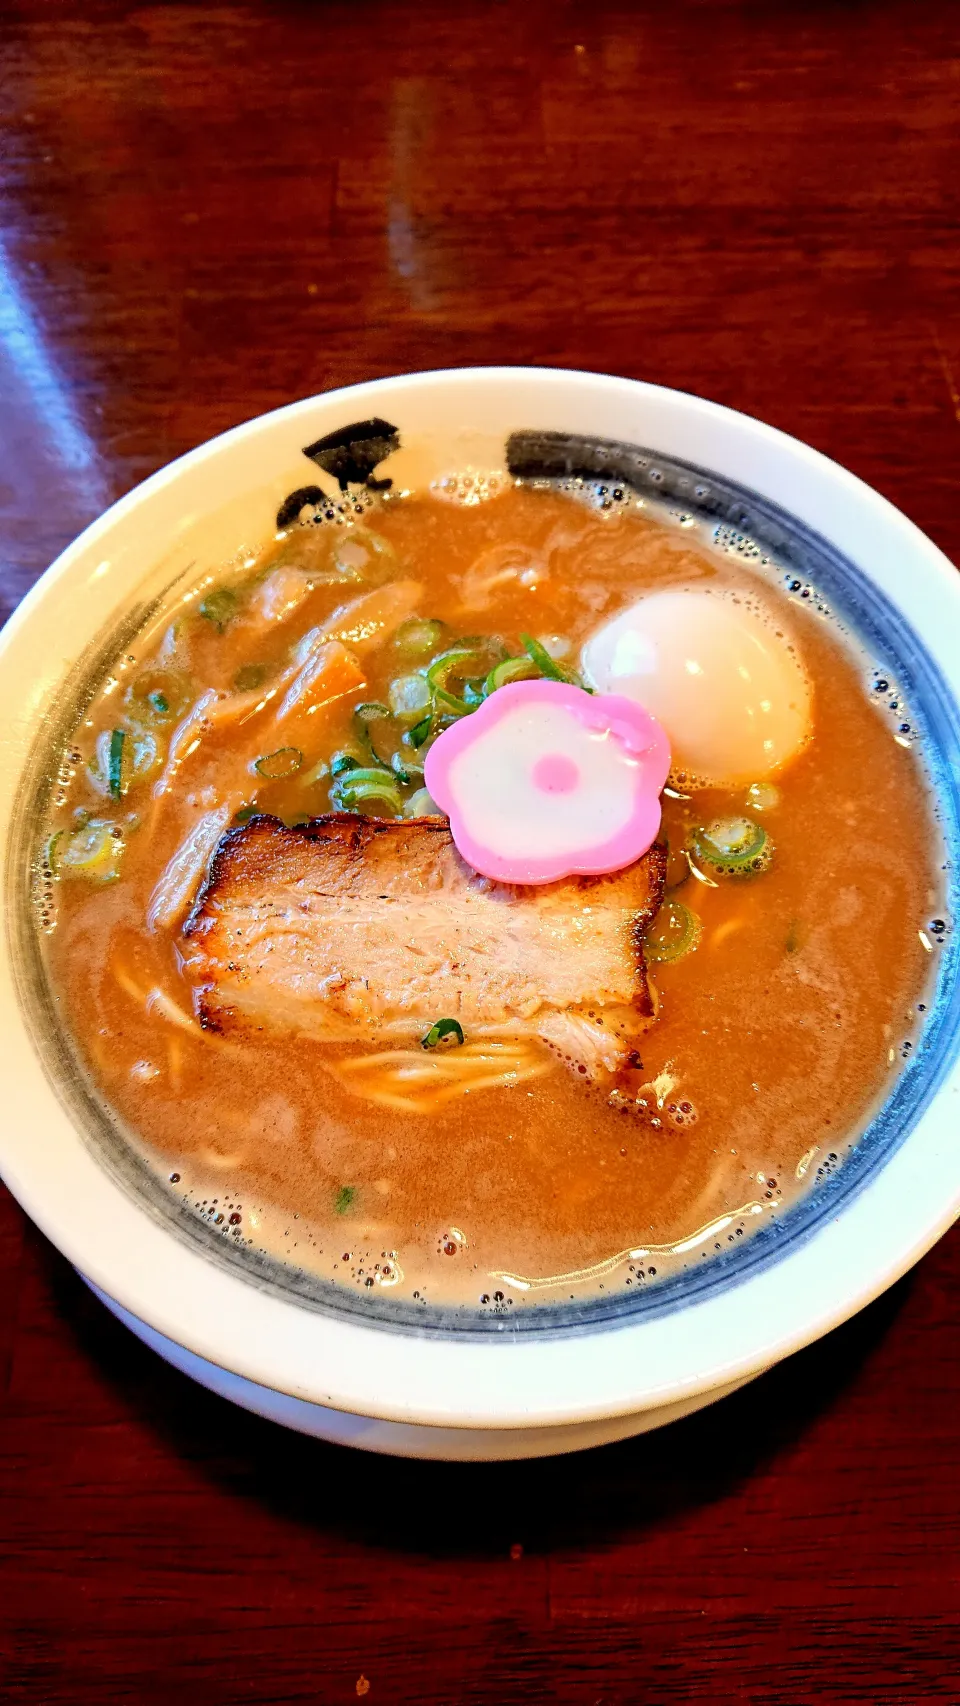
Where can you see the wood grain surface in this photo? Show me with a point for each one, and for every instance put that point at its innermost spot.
(209, 209)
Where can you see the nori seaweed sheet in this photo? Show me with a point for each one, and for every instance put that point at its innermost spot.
(289, 510)
(351, 453)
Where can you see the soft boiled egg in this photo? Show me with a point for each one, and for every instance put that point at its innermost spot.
(717, 672)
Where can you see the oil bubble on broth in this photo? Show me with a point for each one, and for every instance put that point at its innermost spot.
(594, 1144)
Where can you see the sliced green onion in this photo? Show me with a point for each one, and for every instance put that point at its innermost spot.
(410, 697)
(344, 1198)
(250, 676)
(123, 756)
(422, 804)
(157, 696)
(674, 932)
(92, 851)
(366, 773)
(419, 733)
(371, 713)
(341, 762)
(467, 664)
(733, 847)
(443, 1028)
(403, 775)
(511, 669)
(449, 705)
(365, 787)
(245, 814)
(115, 762)
(275, 766)
(369, 718)
(448, 663)
(418, 638)
(541, 657)
(220, 607)
(366, 795)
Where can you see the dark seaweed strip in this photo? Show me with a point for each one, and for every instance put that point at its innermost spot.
(289, 510)
(351, 454)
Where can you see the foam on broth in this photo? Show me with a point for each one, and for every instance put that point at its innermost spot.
(775, 1041)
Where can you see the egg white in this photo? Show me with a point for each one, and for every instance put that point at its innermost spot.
(720, 675)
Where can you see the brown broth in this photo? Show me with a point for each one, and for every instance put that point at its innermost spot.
(774, 1042)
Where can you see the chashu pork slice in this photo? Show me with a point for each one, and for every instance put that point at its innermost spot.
(352, 929)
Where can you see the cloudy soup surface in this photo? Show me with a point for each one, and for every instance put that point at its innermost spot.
(280, 974)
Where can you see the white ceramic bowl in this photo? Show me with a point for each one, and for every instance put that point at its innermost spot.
(379, 1383)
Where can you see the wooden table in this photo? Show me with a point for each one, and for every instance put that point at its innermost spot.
(209, 209)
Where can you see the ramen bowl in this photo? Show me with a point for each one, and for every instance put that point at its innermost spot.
(371, 1370)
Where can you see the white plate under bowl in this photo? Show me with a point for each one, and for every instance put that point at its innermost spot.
(389, 1384)
(407, 1439)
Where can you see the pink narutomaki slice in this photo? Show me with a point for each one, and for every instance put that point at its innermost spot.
(545, 781)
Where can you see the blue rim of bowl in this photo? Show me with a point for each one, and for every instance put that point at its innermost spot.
(755, 527)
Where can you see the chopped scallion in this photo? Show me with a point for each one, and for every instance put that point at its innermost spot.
(377, 731)
(733, 847)
(511, 669)
(115, 763)
(448, 664)
(420, 732)
(220, 607)
(449, 705)
(92, 851)
(439, 1032)
(541, 657)
(418, 638)
(674, 932)
(366, 787)
(123, 756)
(344, 1198)
(157, 696)
(275, 766)
(341, 762)
(371, 713)
(410, 698)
